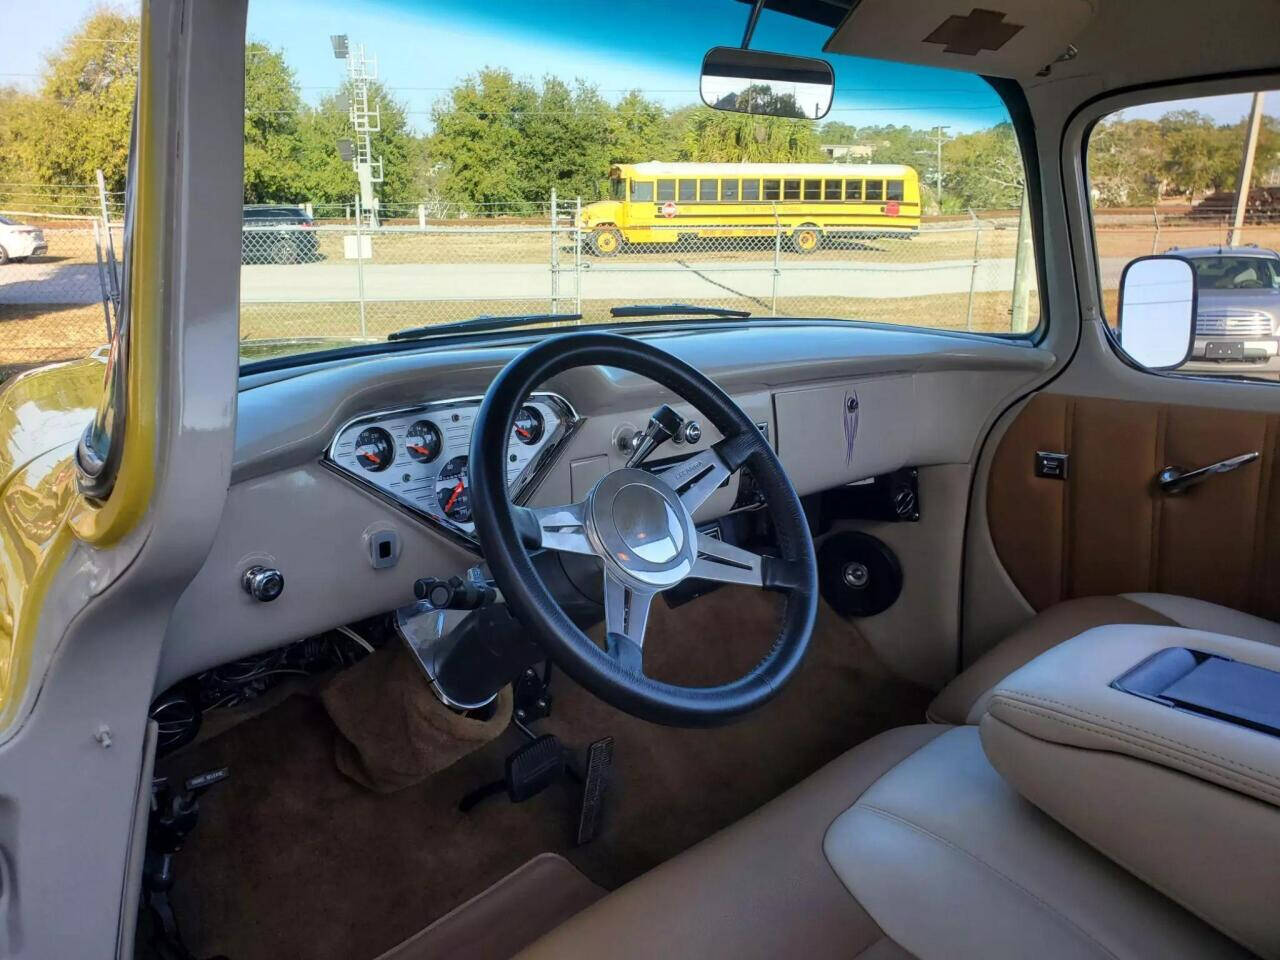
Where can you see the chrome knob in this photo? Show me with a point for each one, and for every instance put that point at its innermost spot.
(629, 441)
(264, 584)
(690, 432)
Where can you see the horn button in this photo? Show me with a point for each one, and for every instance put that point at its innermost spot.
(647, 524)
(642, 529)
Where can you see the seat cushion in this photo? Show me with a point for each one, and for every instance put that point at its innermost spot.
(950, 862)
(909, 845)
(964, 699)
(760, 888)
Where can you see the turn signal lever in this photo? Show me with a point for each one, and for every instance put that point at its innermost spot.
(454, 593)
(663, 425)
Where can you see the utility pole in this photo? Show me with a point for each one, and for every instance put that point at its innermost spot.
(365, 120)
(939, 169)
(1246, 169)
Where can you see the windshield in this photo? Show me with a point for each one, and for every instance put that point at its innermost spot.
(1235, 273)
(422, 164)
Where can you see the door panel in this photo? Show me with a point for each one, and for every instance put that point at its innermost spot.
(1107, 528)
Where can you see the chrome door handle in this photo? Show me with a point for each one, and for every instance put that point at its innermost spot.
(1174, 480)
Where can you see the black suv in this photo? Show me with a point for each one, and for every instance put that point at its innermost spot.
(278, 234)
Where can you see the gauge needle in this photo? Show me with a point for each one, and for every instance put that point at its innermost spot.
(453, 497)
(371, 457)
(418, 448)
(523, 432)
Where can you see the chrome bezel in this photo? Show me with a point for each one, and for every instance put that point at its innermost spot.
(522, 487)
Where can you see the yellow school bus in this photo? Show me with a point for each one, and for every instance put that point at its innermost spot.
(666, 202)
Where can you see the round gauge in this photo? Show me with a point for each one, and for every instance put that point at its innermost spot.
(375, 449)
(424, 441)
(529, 426)
(452, 492)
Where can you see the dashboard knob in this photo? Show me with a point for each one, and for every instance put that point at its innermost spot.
(689, 432)
(264, 584)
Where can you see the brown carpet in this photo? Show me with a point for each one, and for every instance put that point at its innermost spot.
(293, 859)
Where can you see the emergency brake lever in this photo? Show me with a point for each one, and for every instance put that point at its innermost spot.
(1175, 480)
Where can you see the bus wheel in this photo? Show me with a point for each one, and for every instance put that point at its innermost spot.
(806, 238)
(606, 242)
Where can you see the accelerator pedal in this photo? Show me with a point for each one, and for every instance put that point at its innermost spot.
(596, 784)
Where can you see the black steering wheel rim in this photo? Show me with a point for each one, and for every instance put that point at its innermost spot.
(795, 572)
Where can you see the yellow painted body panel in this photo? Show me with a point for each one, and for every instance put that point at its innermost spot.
(44, 412)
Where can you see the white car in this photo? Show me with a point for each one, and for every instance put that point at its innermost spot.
(19, 241)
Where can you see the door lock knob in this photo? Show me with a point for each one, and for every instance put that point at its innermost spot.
(264, 584)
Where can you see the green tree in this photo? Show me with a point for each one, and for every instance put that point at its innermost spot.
(477, 138)
(272, 171)
(79, 122)
(982, 171)
(836, 131)
(713, 136)
(641, 129)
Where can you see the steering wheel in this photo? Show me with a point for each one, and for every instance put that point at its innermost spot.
(640, 526)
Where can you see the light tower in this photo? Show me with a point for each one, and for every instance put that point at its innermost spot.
(366, 119)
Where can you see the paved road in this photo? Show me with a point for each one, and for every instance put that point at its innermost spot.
(40, 283)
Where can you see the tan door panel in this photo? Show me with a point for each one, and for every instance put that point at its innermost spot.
(1108, 529)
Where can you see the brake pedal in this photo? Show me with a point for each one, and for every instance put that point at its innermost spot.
(534, 767)
(599, 766)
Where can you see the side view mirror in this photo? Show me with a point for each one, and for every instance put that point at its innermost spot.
(1157, 317)
(766, 84)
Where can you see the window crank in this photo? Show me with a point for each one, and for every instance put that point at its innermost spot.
(1174, 480)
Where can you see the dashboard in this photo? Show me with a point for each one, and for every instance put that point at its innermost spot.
(318, 482)
(417, 456)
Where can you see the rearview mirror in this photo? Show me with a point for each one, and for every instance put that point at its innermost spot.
(1156, 319)
(767, 84)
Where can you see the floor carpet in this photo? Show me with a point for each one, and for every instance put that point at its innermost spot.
(292, 859)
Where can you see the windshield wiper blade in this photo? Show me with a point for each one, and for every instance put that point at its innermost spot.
(481, 323)
(675, 310)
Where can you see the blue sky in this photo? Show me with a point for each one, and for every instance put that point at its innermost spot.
(424, 46)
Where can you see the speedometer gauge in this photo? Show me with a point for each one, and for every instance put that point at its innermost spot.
(374, 449)
(529, 426)
(451, 490)
(423, 441)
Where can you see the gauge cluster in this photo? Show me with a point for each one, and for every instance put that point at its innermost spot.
(417, 456)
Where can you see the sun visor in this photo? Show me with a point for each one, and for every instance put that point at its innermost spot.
(1008, 38)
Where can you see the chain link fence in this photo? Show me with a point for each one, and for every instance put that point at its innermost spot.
(336, 279)
(59, 303)
(328, 274)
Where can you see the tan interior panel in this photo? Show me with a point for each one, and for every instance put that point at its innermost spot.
(1107, 529)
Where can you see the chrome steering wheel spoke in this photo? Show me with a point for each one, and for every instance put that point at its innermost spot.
(698, 477)
(725, 563)
(562, 528)
(626, 613)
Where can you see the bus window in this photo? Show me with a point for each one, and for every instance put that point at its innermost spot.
(853, 189)
(729, 191)
(771, 191)
(666, 190)
(791, 190)
(893, 190)
(688, 191)
(831, 190)
(641, 192)
(875, 190)
(619, 189)
(750, 190)
(813, 189)
(707, 191)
